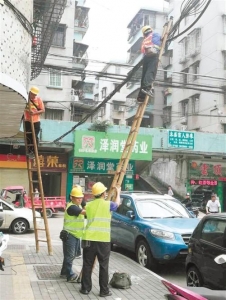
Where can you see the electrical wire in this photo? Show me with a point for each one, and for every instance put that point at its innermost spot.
(22, 19)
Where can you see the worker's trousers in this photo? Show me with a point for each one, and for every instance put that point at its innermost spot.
(150, 66)
(101, 250)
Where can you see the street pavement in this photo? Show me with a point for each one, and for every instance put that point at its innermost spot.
(36, 276)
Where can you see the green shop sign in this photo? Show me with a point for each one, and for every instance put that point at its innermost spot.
(110, 145)
(98, 165)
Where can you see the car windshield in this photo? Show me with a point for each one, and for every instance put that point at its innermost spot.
(156, 208)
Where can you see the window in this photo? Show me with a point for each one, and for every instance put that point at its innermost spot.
(184, 108)
(59, 37)
(224, 24)
(167, 114)
(195, 103)
(96, 97)
(185, 76)
(195, 70)
(116, 107)
(214, 231)
(116, 85)
(88, 88)
(104, 92)
(126, 205)
(195, 41)
(116, 121)
(224, 57)
(55, 79)
(53, 114)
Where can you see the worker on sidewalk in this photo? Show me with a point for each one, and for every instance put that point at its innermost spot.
(150, 48)
(96, 238)
(37, 108)
(213, 205)
(72, 232)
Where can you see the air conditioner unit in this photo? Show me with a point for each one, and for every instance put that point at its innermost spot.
(184, 120)
(121, 109)
(74, 98)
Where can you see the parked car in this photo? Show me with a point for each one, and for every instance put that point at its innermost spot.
(18, 220)
(156, 227)
(207, 242)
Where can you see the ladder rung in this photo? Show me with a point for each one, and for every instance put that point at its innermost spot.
(40, 229)
(42, 241)
(38, 217)
(30, 144)
(35, 181)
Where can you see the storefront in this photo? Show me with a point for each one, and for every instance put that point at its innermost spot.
(96, 156)
(53, 171)
(206, 177)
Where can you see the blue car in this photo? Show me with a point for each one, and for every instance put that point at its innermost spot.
(156, 227)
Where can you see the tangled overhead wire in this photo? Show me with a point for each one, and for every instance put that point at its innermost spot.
(188, 8)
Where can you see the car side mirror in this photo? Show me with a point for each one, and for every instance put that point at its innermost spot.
(130, 214)
(221, 259)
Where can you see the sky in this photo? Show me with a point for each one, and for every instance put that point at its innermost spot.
(108, 20)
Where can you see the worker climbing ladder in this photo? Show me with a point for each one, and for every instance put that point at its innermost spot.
(30, 168)
(123, 163)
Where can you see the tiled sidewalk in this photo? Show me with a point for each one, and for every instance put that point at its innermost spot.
(35, 276)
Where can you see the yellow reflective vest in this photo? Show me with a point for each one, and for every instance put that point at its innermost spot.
(72, 224)
(98, 227)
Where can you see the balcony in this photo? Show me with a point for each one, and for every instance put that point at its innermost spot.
(134, 51)
(80, 55)
(81, 23)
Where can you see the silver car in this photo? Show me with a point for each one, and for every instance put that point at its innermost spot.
(18, 220)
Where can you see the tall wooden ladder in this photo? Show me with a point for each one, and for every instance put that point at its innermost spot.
(30, 168)
(126, 154)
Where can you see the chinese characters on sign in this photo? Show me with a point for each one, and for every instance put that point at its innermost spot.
(181, 139)
(86, 165)
(51, 162)
(200, 169)
(203, 182)
(110, 145)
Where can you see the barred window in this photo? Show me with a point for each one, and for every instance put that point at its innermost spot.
(55, 78)
(59, 37)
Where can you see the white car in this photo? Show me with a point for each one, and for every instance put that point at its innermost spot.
(18, 220)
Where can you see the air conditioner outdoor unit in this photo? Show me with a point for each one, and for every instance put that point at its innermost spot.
(74, 98)
(184, 127)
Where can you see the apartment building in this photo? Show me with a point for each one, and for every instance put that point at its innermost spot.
(153, 113)
(64, 65)
(197, 99)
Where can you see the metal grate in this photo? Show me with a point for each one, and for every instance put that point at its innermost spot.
(47, 15)
(16, 247)
(47, 272)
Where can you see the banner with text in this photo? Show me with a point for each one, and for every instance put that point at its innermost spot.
(110, 145)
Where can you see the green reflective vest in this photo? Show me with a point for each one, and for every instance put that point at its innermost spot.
(98, 227)
(72, 224)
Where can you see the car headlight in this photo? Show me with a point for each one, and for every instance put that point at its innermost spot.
(162, 234)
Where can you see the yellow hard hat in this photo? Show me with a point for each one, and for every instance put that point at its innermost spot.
(34, 90)
(76, 192)
(98, 189)
(146, 28)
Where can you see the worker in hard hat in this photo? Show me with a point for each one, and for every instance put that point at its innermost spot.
(96, 238)
(72, 232)
(36, 109)
(150, 48)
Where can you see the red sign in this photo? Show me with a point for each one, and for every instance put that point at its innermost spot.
(208, 182)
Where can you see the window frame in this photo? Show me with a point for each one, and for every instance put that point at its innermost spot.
(59, 40)
(53, 79)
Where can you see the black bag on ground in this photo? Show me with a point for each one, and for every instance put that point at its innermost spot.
(121, 281)
(64, 235)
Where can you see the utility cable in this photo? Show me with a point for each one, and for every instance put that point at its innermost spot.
(117, 89)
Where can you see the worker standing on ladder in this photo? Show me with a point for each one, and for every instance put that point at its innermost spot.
(72, 232)
(150, 48)
(96, 238)
(36, 109)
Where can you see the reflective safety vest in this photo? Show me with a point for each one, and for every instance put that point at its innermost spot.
(152, 40)
(72, 224)
(98, 227)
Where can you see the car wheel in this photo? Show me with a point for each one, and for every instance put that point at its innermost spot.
(194, 277)
(144, 256)
(49, 213)
(19, 226)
